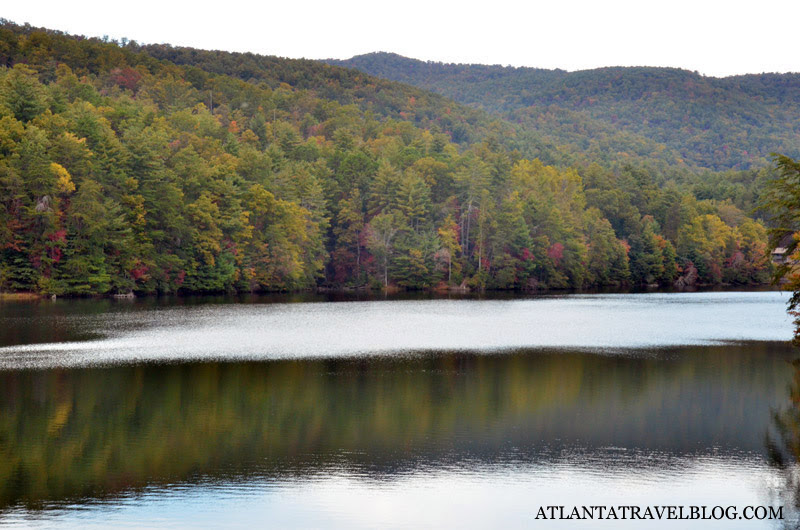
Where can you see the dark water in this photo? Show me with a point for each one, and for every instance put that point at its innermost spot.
(126, 432)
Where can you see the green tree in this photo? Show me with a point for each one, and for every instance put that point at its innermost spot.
(782, 200)
(22, 93)
(448, 235)
(383, 230)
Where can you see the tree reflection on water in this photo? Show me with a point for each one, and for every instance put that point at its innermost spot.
(67, 435)
(783, 451)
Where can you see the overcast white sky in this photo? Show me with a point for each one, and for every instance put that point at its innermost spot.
(713, 37)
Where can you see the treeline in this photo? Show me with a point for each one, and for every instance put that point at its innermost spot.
(665, 115)
(130, 173)
(213, 71)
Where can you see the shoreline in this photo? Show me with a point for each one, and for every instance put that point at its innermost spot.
(391, 293)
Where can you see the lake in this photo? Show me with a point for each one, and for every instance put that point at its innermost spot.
(308, 411)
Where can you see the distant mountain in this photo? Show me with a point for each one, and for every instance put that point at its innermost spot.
(667, 114)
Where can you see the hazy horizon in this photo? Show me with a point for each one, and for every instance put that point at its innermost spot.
(421, 59)
(538, 67)
(572, 36)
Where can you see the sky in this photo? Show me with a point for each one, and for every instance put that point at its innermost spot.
(716, 38)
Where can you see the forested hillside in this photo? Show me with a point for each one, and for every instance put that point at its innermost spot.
(155, 169)
(667, 115)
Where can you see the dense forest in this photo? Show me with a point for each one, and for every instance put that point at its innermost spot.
(670, 116)
(153, 169)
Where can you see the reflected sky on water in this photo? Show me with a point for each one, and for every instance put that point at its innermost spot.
(471, 497)
(81, 335)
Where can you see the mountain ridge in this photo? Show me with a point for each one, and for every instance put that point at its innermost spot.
(716, 123)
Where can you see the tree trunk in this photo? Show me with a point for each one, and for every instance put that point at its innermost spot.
(358, 256)
(449, 268)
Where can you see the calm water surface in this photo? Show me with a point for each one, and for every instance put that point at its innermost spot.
(405, 413)
(67, 334)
